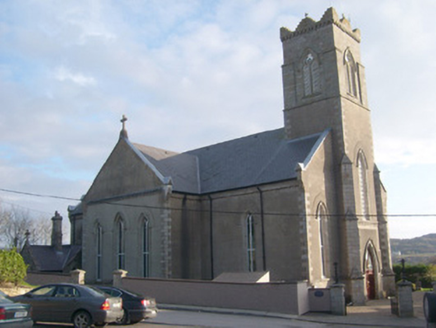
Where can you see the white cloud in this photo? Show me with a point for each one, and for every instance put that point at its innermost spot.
(188, 74)
(395, 150)
(64, 74)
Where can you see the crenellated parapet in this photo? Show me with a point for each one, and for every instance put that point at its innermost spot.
(330, 16)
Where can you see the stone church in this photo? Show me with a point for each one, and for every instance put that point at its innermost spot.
(302, 202)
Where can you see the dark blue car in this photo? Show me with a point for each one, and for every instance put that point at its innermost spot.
(136, 307)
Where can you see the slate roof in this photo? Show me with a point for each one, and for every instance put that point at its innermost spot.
(249, 161)
(47, 259)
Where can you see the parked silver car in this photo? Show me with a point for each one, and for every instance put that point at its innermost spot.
(14, 315)
(78, 304)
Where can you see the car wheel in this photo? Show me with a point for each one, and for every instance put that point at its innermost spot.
(430, 307)
(82, 319)
(124, 320)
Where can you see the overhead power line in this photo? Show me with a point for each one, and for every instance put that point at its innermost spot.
(37, 195)
(214, 211)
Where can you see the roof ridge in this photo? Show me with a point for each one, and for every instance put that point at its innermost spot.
(153, 147)
(146, 161)
(231, 140)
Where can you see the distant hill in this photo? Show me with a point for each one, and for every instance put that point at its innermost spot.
(414, 250)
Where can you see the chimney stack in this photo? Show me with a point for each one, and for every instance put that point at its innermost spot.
(56, 232)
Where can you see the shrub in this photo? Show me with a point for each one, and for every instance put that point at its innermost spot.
(422, 273)
(12, 267)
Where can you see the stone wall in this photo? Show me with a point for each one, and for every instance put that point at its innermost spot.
(290, 298)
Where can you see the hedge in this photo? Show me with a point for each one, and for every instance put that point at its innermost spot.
(12, 267)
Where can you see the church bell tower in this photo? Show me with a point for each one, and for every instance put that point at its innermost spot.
(323, 78)
(324, 88)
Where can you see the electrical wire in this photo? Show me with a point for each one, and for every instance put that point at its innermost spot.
(215, 211)
(37, 195)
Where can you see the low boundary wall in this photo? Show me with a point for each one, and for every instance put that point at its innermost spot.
(277, 297)
(289, 298)
(37, 279)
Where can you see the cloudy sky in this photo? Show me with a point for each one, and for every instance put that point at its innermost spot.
(193, 73)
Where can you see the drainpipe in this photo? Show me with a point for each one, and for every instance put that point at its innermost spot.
(262, 220)
(211, 236)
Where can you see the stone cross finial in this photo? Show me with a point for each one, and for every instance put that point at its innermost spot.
(123, 121)
(123, 132)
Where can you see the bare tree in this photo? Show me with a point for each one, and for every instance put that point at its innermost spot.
(41, 231)
(16, 222)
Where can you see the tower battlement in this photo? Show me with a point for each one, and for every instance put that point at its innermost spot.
(330, 16)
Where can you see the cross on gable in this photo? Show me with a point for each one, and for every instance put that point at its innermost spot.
(123, 120)
(123, 132)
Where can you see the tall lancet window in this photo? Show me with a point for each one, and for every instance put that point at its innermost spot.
(120, 245)
(362, 167)
(99, 245)
(321, 218)
(311, 75)
(351, 71)
(146, 248)
(251, 244)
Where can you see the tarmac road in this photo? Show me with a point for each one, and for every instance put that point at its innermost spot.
(143, 324)
(219, 320)
(185, 319)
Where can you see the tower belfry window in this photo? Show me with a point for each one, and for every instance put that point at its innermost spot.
(311, 75)
(351, 71)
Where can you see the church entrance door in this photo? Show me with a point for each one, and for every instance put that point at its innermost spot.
(369, 276)
(370, 284)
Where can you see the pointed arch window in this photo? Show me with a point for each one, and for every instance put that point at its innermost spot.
(99, 245)
(351, 71)
(362, 168)
(321, 218)
(251, 243)
(311, 78)
(146, 247)
(120, 245)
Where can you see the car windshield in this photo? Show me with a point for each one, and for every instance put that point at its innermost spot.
(128, 292)
(43, 291)
(109, 291)
(94, 291)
